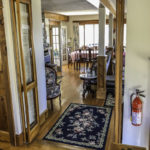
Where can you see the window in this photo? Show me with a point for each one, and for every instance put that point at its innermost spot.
(96, 34)
(125, 35)
(89, 35)
(81, 35)
(106, 35)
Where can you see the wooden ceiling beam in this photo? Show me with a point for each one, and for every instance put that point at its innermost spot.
(107, 4)
(54, 23)
(56, 17)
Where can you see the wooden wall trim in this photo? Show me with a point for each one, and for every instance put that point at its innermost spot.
(115, 146)
(43, 117)
(57, 17)
(101, 78)
(119, 69)
(54, 23)
(107, 4)
(83, 22)
(4, 136)
(20, 139)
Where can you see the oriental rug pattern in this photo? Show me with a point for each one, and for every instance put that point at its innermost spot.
(82, 125)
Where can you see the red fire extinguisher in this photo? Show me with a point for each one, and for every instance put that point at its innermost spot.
(136, 108)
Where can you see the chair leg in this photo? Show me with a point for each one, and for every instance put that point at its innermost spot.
(60, 100)
(51, 104)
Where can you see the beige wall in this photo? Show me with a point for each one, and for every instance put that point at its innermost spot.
(137, 70)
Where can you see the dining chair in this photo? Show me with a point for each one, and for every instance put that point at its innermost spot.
(53, 88)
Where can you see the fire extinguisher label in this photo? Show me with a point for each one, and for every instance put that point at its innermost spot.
(136, 118)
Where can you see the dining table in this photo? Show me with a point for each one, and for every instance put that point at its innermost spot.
(87, 80)
(86, 53)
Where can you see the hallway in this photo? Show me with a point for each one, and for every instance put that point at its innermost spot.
(71, 89)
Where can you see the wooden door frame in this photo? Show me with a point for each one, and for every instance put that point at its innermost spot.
(25, 87)
(120, 4)
(10, 114)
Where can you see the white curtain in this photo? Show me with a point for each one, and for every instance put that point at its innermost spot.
(76, 35)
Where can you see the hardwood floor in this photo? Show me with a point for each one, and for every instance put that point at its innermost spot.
(71, 88)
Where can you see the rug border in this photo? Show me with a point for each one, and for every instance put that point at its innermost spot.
(107, 105)
(111, 108)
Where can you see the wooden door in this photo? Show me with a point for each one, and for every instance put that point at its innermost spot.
(6, 110)
(26, 69)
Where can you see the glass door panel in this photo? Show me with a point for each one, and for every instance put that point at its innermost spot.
(56, 46)
(31, 108)
(26, 42)
(27, 69)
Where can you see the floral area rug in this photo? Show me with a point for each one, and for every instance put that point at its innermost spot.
(82, 125)
(110, 101)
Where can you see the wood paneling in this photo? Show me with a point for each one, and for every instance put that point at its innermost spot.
(43, 117)
(3, 114)
(101, 77)
(119, 69)
(83, 22)
(56, 17)
(6, 109)
(19, 139)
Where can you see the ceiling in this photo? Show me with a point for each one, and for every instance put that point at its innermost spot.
(71, 7)
(67, 5)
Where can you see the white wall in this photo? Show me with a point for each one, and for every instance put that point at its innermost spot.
(39, 53)
(137, 71)
(12, 68)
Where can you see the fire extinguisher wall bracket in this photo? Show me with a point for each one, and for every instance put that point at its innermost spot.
(136, 107)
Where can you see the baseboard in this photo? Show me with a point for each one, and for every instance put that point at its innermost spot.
(101, 94)
(19, 139)
(4, 136)
(43, 117)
